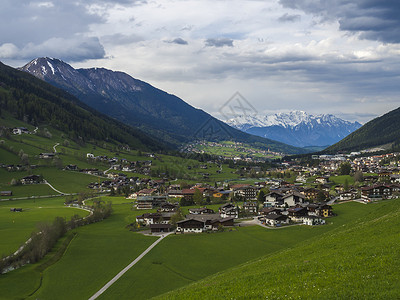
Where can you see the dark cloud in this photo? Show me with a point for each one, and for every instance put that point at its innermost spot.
(50, 28)
(178, 41)
(289, 18)
(221, 42)
(373, 19)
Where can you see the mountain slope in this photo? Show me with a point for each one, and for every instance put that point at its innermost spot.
(28, 98)
(383, 130)
(139, 104)
(297, 128)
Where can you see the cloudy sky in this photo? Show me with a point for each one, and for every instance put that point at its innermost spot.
(320, 56)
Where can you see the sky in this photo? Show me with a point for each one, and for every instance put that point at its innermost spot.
(319, 56)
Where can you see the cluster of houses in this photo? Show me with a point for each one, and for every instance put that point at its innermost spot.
(198, 220)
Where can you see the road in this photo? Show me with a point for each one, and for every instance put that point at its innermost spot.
(53, 188)
(54, 147)
(120, 274)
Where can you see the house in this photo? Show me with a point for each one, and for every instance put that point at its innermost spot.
(156, 228)
(31, 179)
(376, 192)
(276, 219)
(273, 199)
(296, 213)
(311, 220)
(348, 195)
(292, 199)
(270, 210)
(47, 155)
(200, 211)
(250, 207)
(228, 210)
(246, 192)
(322, 180)
(20, 130)
(155, 218)
(310, 193)
(168, 207)
(149, 202)
(6, 193)
(201, 223)
(16, 209)
(319, 210)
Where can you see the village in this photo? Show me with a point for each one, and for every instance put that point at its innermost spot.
(293, 192)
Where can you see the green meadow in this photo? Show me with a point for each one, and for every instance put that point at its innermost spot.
(99, 251)
(16, 227)
(357, 260)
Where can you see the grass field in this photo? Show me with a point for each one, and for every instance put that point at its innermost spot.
(16, 227)
(99, 251)
(357, 260)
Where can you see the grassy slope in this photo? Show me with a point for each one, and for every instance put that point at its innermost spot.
(15, 228)
(182, 259)
(358, 260)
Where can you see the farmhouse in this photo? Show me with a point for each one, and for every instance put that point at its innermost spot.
(6, 193)
(31, 179)
(156, 228)
(201, 223)
(47, 155)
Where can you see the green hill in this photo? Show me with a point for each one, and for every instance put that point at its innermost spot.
(384, 130)
(358, 260)
(36, 102)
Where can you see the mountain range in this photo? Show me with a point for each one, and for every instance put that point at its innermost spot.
(138, 104)
(297, 128)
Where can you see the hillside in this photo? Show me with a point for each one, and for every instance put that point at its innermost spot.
(297, 128)
(350, 262)
(39, 103)
(383, 130)
(141, 105)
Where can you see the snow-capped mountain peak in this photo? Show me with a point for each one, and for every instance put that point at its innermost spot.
(296, 128)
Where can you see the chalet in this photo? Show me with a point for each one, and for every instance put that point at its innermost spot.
(310, 193)
(168, 207)
(150, 202)
(201, 223)
(319, 210)
(157, 228)
(376, 192)
(293, 199)
(188, 194)
(273, 199)
(6, 193)
(155, 218)
(270, 210)
(295, 213)
(200, 211)
(175, 193)
(228, 210)
(311, 220)
(250, 207)
(348, 195)
(276, 219)
(47, 155)
(71, 167)
(31, 179)
(395, 178)
(247, 192)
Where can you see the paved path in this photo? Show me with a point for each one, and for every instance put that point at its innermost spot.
(119, 275)
(53, 188)
(54, 147)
